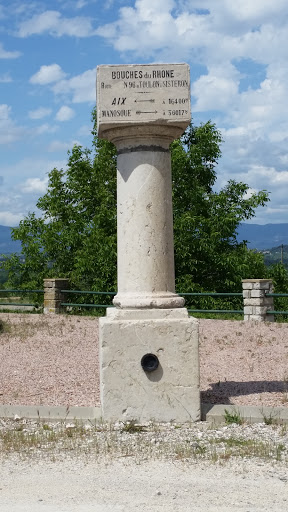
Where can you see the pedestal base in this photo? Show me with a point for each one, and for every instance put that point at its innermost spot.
(128, 392)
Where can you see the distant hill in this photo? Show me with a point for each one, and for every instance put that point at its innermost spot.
(258, 237)
(7, 245)
(263, 236)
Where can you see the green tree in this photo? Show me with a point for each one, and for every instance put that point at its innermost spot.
(207, 254)
(75, 236)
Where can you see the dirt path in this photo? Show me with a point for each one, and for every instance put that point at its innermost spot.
(121, 486)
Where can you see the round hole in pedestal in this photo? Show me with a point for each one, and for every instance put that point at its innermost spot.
(149, 362)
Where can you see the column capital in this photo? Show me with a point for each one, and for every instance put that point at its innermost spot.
(148, 135)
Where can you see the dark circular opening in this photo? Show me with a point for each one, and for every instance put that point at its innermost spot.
(149, 362)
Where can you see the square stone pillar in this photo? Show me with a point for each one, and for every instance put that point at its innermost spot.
(130, 392)
(256, 303)
(53, 296)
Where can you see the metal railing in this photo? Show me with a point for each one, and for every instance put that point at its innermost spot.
(111, 294)
(23, 292)
(277, 295)
(81, 292)
(213, 294)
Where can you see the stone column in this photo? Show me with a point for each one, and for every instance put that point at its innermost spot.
(256, 304)
(145, 246)
(53, 296)
(149, 368)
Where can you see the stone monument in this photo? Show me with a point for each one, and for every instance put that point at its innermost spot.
(149, 368)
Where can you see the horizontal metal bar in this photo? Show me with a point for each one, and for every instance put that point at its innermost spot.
(277, 313)
(86, 305)
(22, 291)
(15, 304)
(88, 292)
(211, 294)
(215, 311)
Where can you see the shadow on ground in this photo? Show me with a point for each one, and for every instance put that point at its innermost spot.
(222, 392)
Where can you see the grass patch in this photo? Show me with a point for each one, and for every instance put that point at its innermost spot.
(248, 448)
(232, 417)
(132, 427)
(40, 439)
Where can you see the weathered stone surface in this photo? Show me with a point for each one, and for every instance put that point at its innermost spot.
(145, 320)
(255, 318)
(256, 304)
(260, 310)
(170, 393)
(253, 302)
(49, 283)
(52, 294)
(257, 293)
(142, 93)
(52, 303)
(145, 232)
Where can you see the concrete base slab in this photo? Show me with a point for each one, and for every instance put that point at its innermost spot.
(212, 413)
(127, 391)
(215, 413)
(46, 413)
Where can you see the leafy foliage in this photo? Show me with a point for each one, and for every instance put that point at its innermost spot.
(75, 236)
(207, 254)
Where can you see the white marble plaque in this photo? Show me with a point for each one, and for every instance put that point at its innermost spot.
(143, 93)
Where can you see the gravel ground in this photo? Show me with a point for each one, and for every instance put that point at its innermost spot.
(53, 360)
(61, 468)
(158, 486)
(68, 467)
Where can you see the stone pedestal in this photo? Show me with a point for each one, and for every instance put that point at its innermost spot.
(256, 304)
(149, 320)
(171, 392)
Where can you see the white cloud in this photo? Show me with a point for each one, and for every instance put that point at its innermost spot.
(217, 90)
(65, 113)
(9, 130)
(10, 219)
(214, 38)
(57, 145)
(143, 29)
(32, 167)
(258, 10)
(8, 55)
(47, 75)
(53, 23)
(35, 185)
(80, 4)
(39, 113)
(82, 87)
(44, 128)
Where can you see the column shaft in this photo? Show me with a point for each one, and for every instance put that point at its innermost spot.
(145, 229)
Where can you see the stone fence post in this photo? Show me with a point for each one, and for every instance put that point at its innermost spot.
(255, 301)
(53, 296)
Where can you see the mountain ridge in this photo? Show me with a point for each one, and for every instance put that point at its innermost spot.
(258, 236)
(263, 236)
(7, 245)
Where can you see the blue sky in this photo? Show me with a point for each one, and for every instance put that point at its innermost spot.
(49, 50)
